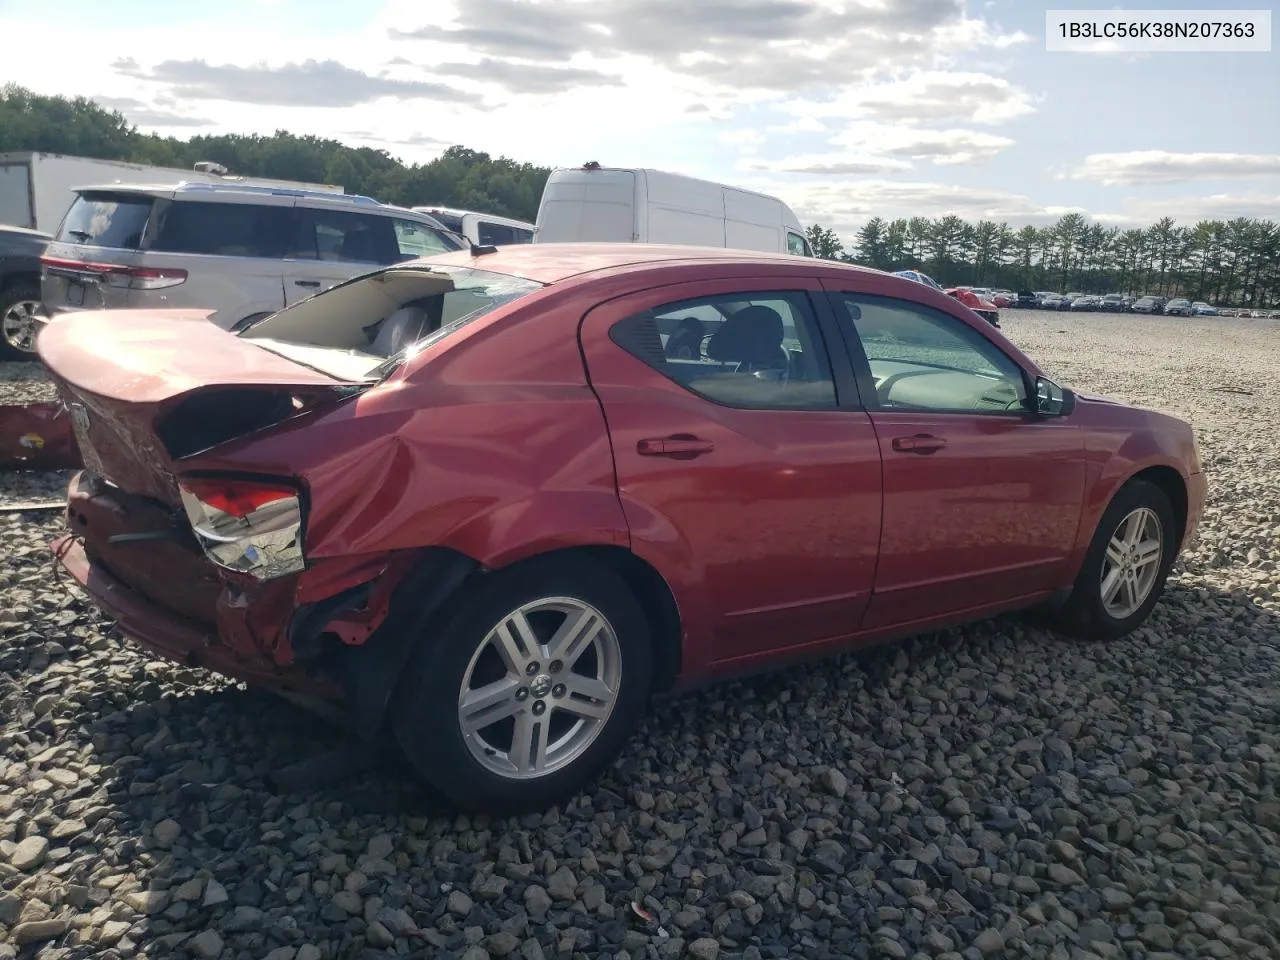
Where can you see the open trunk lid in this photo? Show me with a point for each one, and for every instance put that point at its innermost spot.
(147, 388)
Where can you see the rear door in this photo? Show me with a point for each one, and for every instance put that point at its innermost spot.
(982, 501)
(588, 205)
(748, 473)
(228, 247)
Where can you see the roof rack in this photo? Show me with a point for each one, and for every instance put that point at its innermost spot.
(188, 186)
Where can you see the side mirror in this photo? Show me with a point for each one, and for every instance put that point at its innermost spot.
(1052, 400)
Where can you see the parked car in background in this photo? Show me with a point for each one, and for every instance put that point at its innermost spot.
(1178, 308)
(918, 277)
(1147, 305)
(1027, 300)
(20, 251)
(1111, 302)
(1085, 302)
(982, 307)
(482, 229)
(1054, 301)
(1003, 298)
(1202, 309)
(494, 537)
(238, 252)
(614, 205)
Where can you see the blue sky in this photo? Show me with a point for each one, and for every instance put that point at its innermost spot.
(845, 108)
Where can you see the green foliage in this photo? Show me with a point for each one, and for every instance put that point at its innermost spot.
(825, 243)
(458, 178)
(1233, 262)
(1236, 261)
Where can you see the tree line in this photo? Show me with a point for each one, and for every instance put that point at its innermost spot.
(1225, 262)
(1234, 262)
(460, 177)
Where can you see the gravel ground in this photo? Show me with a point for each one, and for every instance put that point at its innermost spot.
(988, 792)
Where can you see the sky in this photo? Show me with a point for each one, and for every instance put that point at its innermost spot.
(846, 109)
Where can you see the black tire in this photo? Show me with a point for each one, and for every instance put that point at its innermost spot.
(10, 297)
(1085, 614)
(425, 714)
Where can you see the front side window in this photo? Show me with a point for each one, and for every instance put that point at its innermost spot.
(107, 219)
(751, 350)
(797, 245)
(415, 240)
(923, 359)
(222, 229)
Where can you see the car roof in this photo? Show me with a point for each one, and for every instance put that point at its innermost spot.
(553, 262)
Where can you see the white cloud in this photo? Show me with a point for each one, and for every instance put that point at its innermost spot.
(1163, 166)
(926, 97)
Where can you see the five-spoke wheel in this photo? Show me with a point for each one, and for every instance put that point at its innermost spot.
(527, 687)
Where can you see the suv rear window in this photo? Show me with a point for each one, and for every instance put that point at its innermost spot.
(107, 219)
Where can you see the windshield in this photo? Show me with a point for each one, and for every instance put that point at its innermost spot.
(365, 328)
(107, 219)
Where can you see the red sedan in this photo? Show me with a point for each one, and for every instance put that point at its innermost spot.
(494, 501)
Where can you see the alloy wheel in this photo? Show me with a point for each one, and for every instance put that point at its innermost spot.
(1132, 563)
(540, 688)
(19, 325)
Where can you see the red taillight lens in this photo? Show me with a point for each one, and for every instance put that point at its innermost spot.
(116, 275)
(251, 527)
(238, 498)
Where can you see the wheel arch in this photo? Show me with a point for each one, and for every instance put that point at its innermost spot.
(1172, 484)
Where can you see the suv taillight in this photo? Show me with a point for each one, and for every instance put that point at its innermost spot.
(245, 525)
(115, 275)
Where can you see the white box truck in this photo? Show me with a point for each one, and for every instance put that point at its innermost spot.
(36, 188)
(612, 204)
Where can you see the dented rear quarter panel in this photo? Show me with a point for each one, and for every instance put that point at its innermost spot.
(497, 453)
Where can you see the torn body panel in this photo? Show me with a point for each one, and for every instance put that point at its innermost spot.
(37, 436)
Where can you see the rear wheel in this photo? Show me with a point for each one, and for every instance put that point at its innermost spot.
(19, 321)
(528, 688)
(1128, 561)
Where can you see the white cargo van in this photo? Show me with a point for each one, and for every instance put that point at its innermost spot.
(608, 204)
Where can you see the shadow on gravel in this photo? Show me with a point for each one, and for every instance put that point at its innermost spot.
(962, 776)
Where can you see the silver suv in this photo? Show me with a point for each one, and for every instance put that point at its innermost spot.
(243, 252)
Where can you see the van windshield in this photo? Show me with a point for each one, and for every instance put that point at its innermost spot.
(366, 328)
(107, 219)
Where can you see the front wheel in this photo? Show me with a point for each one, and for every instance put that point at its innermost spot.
(528, 689)
(1128, 561)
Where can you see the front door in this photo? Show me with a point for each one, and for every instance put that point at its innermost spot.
(746, 476)
(982, 500)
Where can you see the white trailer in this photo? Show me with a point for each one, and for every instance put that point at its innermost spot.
(610, 204)
(36, 189)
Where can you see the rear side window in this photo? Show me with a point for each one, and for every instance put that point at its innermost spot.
(345, 237)
(751, 350)
(223, 229)
(496, 233)
(449, 221)
(107, 219)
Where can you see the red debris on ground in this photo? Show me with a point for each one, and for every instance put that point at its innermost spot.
(37, 436)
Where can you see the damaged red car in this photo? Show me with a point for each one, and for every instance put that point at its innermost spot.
(491, 502)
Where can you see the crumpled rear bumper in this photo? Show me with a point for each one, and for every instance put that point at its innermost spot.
(176, 638)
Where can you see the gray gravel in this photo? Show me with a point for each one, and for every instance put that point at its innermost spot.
(988, 792)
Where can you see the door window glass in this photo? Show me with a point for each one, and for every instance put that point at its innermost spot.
(923, 359)
(222, 229)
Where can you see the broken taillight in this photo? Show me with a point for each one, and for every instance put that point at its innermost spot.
(248, 526)
(115, 275)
